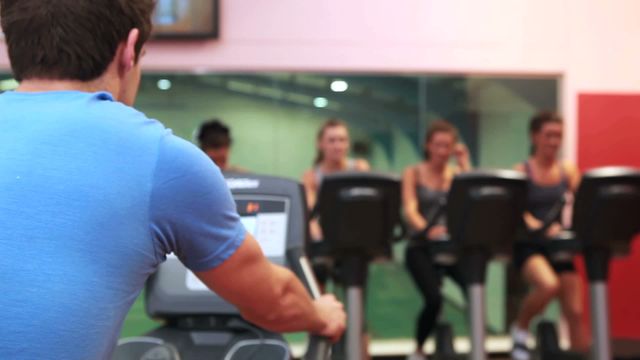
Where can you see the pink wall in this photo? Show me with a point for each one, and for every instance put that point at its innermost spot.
(588, 42)
(360, 35)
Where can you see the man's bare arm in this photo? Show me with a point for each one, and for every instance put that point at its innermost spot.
(271, 296)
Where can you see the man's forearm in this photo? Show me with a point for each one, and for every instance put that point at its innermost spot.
(266, 294)
(289, 308)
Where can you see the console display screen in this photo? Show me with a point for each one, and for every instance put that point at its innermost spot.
(266, 219)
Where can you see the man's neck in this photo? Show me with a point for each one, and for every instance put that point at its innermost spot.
(44, 85)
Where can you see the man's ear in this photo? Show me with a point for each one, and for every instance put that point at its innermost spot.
(128, 59)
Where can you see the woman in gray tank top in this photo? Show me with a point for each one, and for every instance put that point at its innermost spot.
(333, 144)
(424, 188)
(549, 181)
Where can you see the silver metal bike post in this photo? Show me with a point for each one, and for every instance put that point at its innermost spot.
(355, 319)
(477, 321)
(600, 321)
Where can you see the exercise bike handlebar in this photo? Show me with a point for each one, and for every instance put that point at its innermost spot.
(319, 348)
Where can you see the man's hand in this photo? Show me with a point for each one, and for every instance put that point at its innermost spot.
(331, 311)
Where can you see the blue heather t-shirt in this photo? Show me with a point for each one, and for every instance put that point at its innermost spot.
(93, 195)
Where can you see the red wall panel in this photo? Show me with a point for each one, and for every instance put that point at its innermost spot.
(609, 134)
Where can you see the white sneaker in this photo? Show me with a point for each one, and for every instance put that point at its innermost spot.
(417, 356)
(520, 351)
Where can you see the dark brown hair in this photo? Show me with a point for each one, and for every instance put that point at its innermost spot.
(214, 134)
(439, 126)
(70, 39)
(333, 122)
(539, 120)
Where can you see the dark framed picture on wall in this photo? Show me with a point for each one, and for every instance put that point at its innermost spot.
(186, 19)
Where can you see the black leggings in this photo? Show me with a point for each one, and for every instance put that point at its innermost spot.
(428, 278)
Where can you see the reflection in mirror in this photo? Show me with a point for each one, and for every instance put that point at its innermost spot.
(272, 113)
(274, 118)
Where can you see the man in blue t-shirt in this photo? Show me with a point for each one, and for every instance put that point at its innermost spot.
(94, 195)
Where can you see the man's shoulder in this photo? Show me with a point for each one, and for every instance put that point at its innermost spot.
(179, 156)
(104, 106)
(126, 122)
(134, 125)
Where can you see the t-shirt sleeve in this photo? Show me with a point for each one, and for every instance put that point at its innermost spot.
(192, 211)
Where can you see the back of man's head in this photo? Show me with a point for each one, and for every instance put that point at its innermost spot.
(70, 39)
(214, 134)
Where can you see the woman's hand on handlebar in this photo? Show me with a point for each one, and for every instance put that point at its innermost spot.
(331, 311)
(532, 222)
(437, 232)
(554, 230)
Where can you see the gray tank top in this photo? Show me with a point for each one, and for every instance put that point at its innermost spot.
(351, 166)
(429, 200)
(542, 198)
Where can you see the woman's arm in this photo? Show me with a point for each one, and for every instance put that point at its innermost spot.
(410, 200)
(531, 221)
(461, 153)
(310, 188)
(573, 175)
(311, 193)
